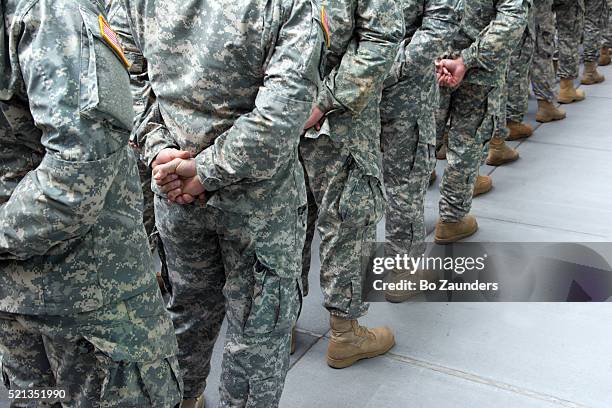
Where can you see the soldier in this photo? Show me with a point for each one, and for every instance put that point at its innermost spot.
(542, 72)
(570, 22)
(80, 310)
(605, 56)
(595, 22)
(490, 31)
(234, 83)
(344, 179)
(408, 126)
(514, 102)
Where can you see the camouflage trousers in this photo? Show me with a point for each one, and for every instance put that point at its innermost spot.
(408, 137)
(345, 202)
(214, 271)
(607, 35)
(123, 355)
(472, 111)
(595, 23)
(570, 23)
(515, 93)
(542, 71)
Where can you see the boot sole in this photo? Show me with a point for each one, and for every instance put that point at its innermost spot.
(521, 137)
(593, 82)
(401, 298)
(548, 120)
(501, 162)
(347, 362)
(451, 240)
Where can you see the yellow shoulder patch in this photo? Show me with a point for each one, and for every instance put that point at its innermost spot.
(325, 25)
(109, 35)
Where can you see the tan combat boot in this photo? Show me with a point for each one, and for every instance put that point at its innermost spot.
(569, 94)
(449, 232)
(351, 342)
(483, 185)
(605, 58)
(403, 294)
(193, 402)
(500, 153)
(518, 130)
(432, 177)
(547, 112)
(590, 75)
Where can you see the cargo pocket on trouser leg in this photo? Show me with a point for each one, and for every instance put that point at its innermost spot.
(129, 384)
(362, 200)
(275, 303)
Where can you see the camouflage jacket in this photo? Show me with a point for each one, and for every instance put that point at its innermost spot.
(489, 32)
(364, 38)
(71, 234)
(233, 82)
(431, 26)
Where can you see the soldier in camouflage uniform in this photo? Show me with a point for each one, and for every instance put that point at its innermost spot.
(514, 100)
(570, 22)
(79, 306)
(234, 83)
(341, 159)
(542, 71)
(408, 125)
(490, 31)
(595, 24)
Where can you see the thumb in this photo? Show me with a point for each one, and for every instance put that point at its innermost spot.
(163, 170)
(182, 154)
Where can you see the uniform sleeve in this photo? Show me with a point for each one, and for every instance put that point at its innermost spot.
(496, 42)
(441, 19)
(378, 30)
(63, 197)
(262, 141)
(150, 133)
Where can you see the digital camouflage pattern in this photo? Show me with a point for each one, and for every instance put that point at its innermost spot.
(570, 22)
(141, 89)
(79, 307)
(542, 70)
(515, 93)
(595, 25)
(489, 32)
(121, 355)
(71, 236)
(233, 83)
(345, 183)
(607, 37)
(408, 125)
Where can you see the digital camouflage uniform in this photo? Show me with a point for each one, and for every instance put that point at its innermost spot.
(489, 32)
(408, 124)
(542, 71)
(515, 93)
(344, 178)
(595, 24)
(79, 306)
(570, 22)
(234, 84)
